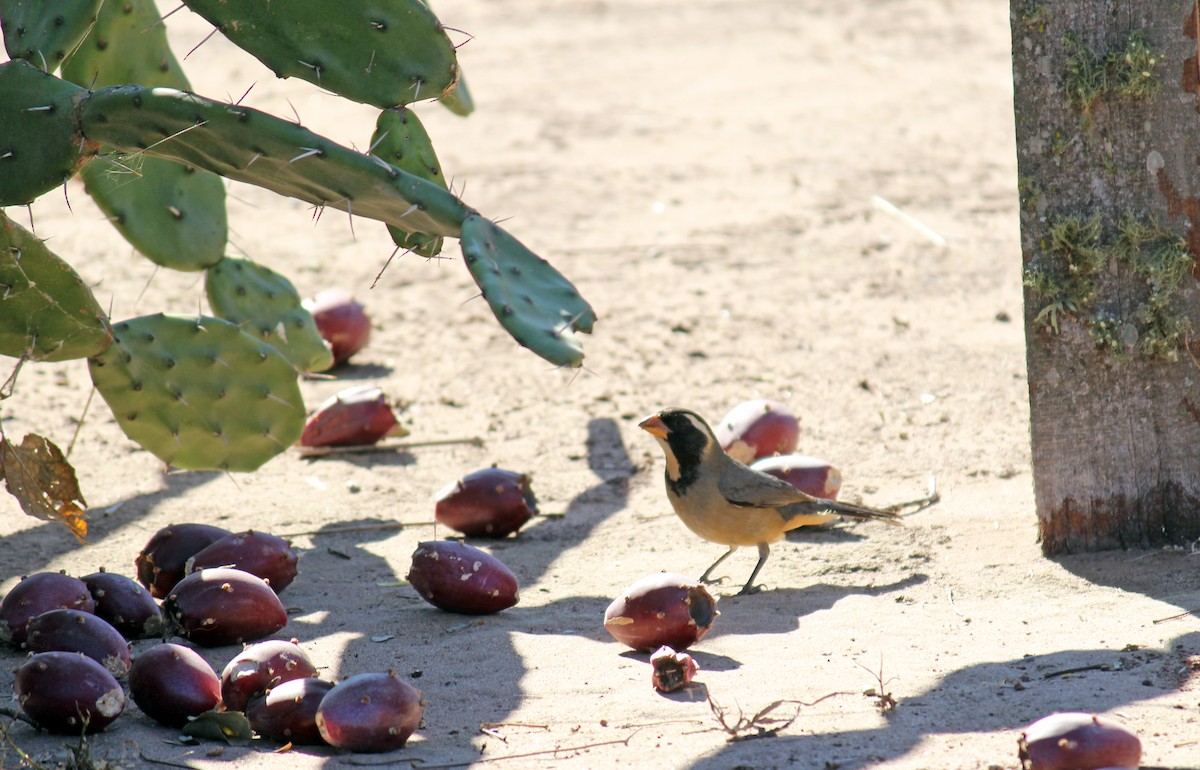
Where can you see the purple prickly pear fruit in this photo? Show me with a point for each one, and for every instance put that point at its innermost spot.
(456, 577)
(267, 556)
(161, 564)
(125, 604)
(261, 666)
(288, 711)
(77, 631)
(370, 712)
(220, 606)
(68, 693)
(491, 502)
(38, 593)
(171, 683)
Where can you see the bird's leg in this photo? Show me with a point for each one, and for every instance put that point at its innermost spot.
(764, 550)
(713, 566)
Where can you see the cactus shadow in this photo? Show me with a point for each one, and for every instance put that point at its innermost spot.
(354, 372)
(979, 698)
(31, 550)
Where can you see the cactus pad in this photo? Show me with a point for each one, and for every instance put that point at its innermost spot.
(401, 140)
(199, 393)
(40, 143)
(380, 52)
(533, 301)
(255, 147)
(459, 100)
(43, 33)
(173, 214)
(265, 304)
(47, 313)
(128, 44)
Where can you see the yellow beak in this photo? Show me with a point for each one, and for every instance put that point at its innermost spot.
(654, 426)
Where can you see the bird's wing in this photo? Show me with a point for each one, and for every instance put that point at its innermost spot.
(746, 487)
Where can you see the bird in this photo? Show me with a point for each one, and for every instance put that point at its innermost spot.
(727, 502)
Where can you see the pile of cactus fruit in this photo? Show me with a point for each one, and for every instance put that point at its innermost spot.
(220, 391)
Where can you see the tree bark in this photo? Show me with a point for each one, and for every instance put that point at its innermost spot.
(1107, 105)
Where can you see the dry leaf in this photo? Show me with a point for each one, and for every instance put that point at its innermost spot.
(39, 476)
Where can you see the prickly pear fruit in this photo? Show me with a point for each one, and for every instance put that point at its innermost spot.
(163, 561)
(533, 301)
(48, 312)
(127, 606)
(79, 631)
(173, 214)
(40, 142)
(38, 593)
(287, 713)
(353, 417)
(259, 553)
(220, 606)
(170, 683)
(370, 712)
(491, 502)
(260, 149)
(385, 53)
(401, 140)
(265, 303)
(457, 577)
(199, 392)
(68, 693)
(260, 667)
(42, 34)
(342, 321)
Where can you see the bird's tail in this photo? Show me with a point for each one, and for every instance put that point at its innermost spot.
(849, 510)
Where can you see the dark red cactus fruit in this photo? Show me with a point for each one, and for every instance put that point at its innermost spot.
(288, 712)
(758, 428)
(38, 593)
(811, 475)
(487, 503)
(68, 693)
(220, 606)
(171, 683)
(341, 321)
(671, 670)
(267, 556)
(77, 631)
(352, 417)
(662, 609)
(370, 712)
(261, 666)
(125, 604)
(456, 577)
(161, 563)
(1078, 741)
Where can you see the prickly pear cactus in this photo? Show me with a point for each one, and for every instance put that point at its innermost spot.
(172, 213)
(265, 304)
(401, 139)
(41, 146)
(45, 33)
(49, 314)
(538, 307)
(383, 52)
(254, 147)
(199, 392)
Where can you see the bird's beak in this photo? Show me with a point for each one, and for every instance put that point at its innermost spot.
(654, 426)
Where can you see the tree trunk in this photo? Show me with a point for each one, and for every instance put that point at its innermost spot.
(1107, 98)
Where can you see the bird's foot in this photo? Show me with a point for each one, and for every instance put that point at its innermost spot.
(748, 590)
(706, 580)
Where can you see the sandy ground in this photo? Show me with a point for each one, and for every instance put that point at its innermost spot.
(709, 174)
